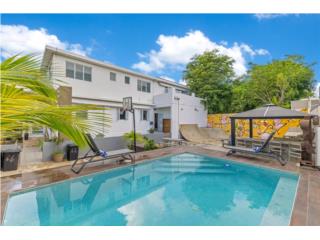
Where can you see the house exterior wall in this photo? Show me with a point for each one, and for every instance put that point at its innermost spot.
(186, 110)
(101, 87)
(101, 90)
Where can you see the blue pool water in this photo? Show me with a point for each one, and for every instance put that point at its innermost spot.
(184, 189)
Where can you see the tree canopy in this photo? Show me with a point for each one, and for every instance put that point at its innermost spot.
(281, 81)
(211, 77)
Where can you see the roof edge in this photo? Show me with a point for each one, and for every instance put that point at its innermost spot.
(49, 50)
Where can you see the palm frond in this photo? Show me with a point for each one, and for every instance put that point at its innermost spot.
(29, 100)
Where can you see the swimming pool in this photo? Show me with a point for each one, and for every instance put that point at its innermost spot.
(184, 189)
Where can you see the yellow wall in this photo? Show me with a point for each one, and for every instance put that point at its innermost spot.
(259, 126)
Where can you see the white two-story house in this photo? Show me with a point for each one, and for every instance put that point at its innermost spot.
(159, 104)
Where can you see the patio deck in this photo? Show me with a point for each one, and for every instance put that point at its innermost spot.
(306, 208)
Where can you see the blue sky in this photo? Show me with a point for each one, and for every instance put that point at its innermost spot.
(160, 45)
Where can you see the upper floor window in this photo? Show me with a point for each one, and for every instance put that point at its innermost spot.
(144, 86)
(87, 73)
(82, 114)
(78, 71)
(69, 69)
(182, 91)
(166, 89)
(113, 76)
(127, 80)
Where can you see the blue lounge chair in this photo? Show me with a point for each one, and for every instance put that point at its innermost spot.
(101, 155)
(261, 151)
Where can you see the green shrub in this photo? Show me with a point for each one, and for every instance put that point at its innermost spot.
(129, 138)
(149, 145)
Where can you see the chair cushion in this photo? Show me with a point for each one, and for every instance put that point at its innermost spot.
(103, 153)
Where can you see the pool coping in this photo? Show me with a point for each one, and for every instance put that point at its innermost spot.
(160, 153)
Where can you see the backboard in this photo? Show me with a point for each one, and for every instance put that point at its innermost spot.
(127, 104)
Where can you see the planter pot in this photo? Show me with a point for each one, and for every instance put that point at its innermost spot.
(57, 157)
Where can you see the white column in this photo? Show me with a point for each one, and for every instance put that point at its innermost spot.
(174, 120)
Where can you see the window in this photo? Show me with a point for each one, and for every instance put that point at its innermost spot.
(82, 114)
(87, 74)
(79, 71)
(186, 92)
(127, 80)
(122, 115)
(113, 76)
(166, 89)
(69, 69)
(37, 131)
(144, 86)
(144, 115)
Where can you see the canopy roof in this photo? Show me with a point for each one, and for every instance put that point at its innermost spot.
(270, 111)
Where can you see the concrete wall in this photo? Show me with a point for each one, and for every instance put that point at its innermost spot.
(260, 127)
(187, 110)
(105, 143)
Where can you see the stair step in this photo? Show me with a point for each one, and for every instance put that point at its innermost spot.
(188, 170)
(191, 165)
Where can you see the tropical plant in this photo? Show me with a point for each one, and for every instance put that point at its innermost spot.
(129, 138)
(29, 99)
(149, 145)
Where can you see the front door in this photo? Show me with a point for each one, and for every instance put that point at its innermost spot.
(166, 125)
(156, 121)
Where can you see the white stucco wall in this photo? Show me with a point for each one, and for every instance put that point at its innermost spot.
(103, 91)
(101, 87)
(190, 111)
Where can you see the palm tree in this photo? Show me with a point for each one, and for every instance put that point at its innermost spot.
(29, 99)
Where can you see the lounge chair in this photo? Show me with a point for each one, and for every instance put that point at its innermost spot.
(260, 151)
(101, 155)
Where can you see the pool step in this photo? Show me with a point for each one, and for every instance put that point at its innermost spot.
(192, 165)
(194, 170)
(278, 209)
(183, 161)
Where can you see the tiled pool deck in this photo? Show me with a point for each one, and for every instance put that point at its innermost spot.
(306, 208)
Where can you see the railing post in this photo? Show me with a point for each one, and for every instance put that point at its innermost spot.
(233, 131)
(250, 128)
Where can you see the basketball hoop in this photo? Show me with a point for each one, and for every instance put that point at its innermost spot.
(127, 104)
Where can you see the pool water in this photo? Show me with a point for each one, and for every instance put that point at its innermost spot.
(184, 189)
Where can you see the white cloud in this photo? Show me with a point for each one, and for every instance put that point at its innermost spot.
(266, 16)
(175, 52)
(16, 39)
(183, 82)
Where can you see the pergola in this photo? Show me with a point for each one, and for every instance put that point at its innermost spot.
(269, 111)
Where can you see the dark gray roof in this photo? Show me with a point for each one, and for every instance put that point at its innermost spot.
(270, 111)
